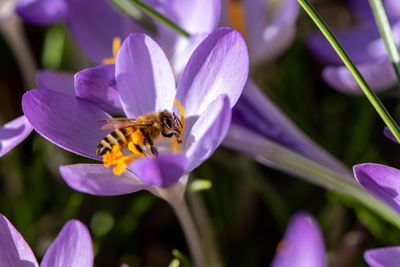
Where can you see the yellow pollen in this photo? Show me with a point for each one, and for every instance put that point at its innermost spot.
(237, 16)
(116, 159)
(176, 145)
(136, 138)
(116, 44)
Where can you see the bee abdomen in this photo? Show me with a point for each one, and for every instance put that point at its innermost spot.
(118, 136)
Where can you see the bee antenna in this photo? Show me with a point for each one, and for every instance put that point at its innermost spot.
(177, 120)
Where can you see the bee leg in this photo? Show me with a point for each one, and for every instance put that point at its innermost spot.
(154, 150)
(138, 148)
(149, 141)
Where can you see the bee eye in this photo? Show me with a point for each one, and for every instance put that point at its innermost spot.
(168, 122)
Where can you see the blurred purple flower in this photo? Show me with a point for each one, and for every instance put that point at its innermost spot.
(302, 245)
(382, 182)
(42, 12)
(383, 257)
(364, 46)
(72, 247)
(209, 87)
(269, 29)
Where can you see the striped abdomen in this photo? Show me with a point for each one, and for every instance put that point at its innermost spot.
(119, 136)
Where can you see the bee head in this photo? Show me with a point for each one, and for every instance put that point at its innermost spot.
(171, 123)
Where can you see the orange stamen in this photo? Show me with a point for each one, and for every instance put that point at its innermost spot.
(176, 145)
(116, 45)
(237, 16)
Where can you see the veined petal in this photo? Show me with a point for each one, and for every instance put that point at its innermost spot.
(383, 257)
(383, 182)
(207, 132)
(66, 121)
(219, 65)
(41, 12)
(58, 81)
(302, 245)
(94, 24)
(161, 171)
(144, 76)
(14, 249)
(98, 86)
(72, 247)
(97, 180)
(378, 74)
(13, 133)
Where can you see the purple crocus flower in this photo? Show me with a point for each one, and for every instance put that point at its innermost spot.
(383, 257)
(302, 244)
(269, 29)
(364, 46)
(209, 87)
(72, 247)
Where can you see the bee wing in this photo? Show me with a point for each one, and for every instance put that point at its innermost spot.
(117, 123)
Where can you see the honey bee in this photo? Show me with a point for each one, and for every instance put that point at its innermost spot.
(151, 126)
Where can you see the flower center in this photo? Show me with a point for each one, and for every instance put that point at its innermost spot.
(237, 16)
(116, 44)
(135, 142)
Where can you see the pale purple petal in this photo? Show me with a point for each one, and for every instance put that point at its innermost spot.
(66, 121)
(379, 75)
(144, 76)
(207, 132)
(383, 257)
(302, 245)
(94, 24)
(41, 11)
(393, 8)
(13, 133)
(98, 86)
(72, 247)
(161, 171)
(14, 251)
(95, 179)
(219, 65)
(256, 112)
(59, 81)
(383, 182)
(389, 134)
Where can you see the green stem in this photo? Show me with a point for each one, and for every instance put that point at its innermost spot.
(158, 16)
(376, 103)
(386, 34)
(276, 156)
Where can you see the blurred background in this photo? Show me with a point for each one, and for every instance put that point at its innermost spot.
(248, 204)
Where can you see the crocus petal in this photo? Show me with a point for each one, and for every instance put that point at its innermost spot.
(219, 65)
(59, 81)
(144, 76)
(380, 181)
(13, 133)
(355, 41)
(97, 85)
(393, 8)
(64, 120)
(14, 251)
(72, 247)
(207, 132)
(389, 134)
(256, 112)
(41, 12)
(94, 24)
(302, 245)
(160, 171)
(378, 74)
(383, 257)
(97, 180)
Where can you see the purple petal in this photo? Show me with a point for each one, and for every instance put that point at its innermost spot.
(72, 247)
(97, 180)
(378, 74)
(13, 133)
(393, 8)
(94, 24)
(256, 112)
(383, 182)
(64, 120)
(362, 10)
(161, 171)
(389, 134)
(14, 251)
(41, 12)
(97, 85)
(219, 65)
(144, 76)
(58, 81)
(302, 245)
(383, 257)
(207, 132)
(355, 41)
